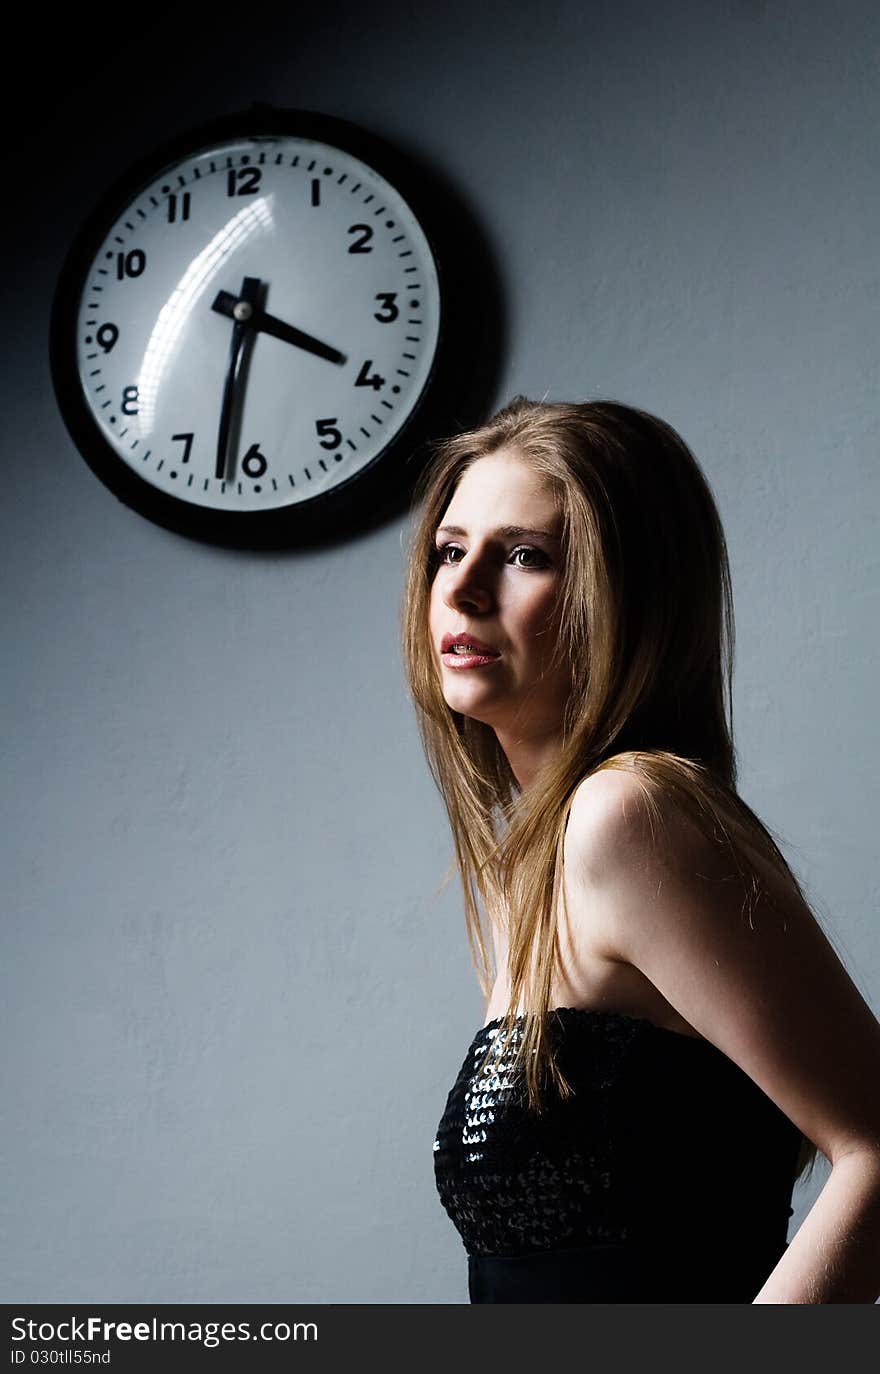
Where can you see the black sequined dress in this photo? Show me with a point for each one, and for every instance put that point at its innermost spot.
(666, 1178)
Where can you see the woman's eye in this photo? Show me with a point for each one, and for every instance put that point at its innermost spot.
(543, 561)
(441, 551)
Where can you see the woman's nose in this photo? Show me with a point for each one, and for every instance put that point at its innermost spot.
(466, 584)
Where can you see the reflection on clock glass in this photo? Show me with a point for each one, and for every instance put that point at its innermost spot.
(258, 324)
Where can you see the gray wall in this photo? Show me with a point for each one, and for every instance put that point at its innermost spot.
(233, 1004)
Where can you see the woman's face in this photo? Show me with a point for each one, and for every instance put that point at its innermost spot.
(502, 587)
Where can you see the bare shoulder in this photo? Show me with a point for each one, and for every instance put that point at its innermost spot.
(610, 818)
(628, 843)
(607, 818)
(622, 828)
(631, 849)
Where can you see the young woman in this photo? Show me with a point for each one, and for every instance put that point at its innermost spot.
(669, 1036)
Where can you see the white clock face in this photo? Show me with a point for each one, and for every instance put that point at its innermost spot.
(339, 260)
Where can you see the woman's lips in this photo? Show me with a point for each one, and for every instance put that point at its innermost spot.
(452, 660)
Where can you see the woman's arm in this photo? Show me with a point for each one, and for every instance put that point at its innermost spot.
(835, 1255)
(767, 989)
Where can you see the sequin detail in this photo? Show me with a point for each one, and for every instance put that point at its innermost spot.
(513, 1182)
(580, 1173)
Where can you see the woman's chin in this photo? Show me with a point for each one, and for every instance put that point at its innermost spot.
(473, 704)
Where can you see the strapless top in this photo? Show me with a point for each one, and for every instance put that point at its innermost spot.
(667, 1153)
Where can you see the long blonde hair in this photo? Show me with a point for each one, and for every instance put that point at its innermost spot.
(646, 585)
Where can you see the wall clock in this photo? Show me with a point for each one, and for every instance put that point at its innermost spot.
(259, 327)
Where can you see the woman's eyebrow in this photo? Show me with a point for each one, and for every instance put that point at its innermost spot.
(506, 532)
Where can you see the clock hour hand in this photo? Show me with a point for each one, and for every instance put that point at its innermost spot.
(225, 303)
(243, 307)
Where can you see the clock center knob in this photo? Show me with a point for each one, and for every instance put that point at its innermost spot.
(242, 310)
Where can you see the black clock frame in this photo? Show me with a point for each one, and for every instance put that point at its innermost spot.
(462, 375)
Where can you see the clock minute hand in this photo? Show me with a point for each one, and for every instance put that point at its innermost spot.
(264, 323)
(241, 313)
